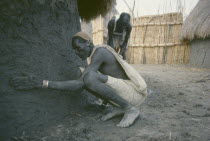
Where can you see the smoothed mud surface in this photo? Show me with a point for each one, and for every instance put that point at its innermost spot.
(35, 40)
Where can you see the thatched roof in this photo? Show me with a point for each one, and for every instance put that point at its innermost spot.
(197, 24)
(88, 9)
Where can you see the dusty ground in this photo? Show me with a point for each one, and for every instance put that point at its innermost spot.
(177, 109)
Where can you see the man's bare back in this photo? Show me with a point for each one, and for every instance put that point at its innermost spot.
(110, 65)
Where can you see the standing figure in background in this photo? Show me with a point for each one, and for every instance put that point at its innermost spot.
(119, 33)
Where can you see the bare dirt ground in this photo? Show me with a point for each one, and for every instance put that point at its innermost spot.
(178, 109)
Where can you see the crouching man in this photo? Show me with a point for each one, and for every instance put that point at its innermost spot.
(108, 77)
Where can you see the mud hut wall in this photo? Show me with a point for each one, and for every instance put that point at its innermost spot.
(155, 40)
(200, 53)
(38, 44)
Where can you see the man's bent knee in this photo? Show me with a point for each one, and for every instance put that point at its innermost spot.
(89, 78)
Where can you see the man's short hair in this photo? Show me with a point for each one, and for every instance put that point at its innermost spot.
(82, 37)
(81, 40)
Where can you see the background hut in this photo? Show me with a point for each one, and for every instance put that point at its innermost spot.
(35, 40)
(196, 30)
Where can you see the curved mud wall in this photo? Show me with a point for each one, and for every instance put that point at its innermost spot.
(37, 41)
(200, 53)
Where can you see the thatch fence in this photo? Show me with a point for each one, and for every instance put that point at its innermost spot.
(98, 31)
(154, 40)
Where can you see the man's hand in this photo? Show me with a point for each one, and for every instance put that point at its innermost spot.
(122, 49)
(25, 82)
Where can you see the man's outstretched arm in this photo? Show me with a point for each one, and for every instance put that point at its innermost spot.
(110, 33)
(127, 36)
(27, 82)
(74, 85)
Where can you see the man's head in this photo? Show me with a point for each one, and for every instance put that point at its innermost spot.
(125, 18)
(82, 44)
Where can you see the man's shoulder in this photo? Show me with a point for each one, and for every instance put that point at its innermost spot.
(102, 51)
(111, 22)
(129, 27)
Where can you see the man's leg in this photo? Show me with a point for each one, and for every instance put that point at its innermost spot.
(124, 54)
(117, 111)
(96, 83)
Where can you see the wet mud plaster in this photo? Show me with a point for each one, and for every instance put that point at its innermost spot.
(36, 40)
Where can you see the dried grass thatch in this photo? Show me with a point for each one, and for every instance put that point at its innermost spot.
(88, 9)
(197, 23)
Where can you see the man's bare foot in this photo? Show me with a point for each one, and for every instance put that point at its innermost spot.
(115, 112)
(130, 116)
